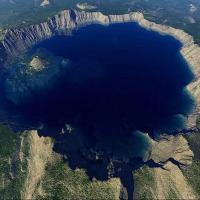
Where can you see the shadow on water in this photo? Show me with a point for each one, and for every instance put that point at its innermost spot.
(122, 79)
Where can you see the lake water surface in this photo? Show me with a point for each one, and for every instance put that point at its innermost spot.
(120, 72)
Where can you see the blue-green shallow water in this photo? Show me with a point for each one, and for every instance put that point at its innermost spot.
(122, 78)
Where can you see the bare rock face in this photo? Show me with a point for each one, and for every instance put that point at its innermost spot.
(45, 3)
(85, 6)
(37, 64)
(173, 148)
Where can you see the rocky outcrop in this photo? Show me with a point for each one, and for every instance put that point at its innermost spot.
(85, 6)
(18, 40)
(45, 3)
(174, 148)
(37, 64)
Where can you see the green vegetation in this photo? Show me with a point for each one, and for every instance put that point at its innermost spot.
(11, 176)
(198, 122)
(194, 143)
(60, 182)
(192, 173)
(144, 183)
(8, 141)
(172, 193)
(23, 13)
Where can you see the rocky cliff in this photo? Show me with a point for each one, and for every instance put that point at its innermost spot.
(16, 41)
(171, 148)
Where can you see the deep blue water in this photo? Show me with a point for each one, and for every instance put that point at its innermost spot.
(121, 73)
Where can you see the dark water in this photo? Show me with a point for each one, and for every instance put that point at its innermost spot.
(120, 73)
(122, 78)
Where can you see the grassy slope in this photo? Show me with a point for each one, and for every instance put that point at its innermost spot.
(11, 176)
(144, 183)
(58, 180)
(192, 173)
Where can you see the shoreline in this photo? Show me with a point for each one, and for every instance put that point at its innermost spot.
(17, 41)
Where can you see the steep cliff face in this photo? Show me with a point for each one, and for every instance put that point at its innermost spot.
(19, 40)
